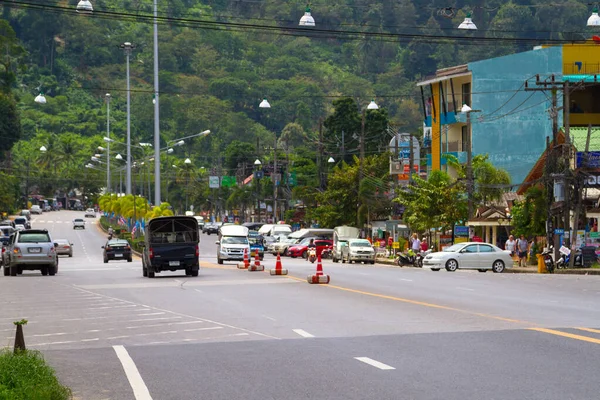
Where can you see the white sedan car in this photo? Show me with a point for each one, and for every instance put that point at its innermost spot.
(470, 255)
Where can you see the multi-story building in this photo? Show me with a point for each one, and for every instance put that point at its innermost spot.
(509, 122)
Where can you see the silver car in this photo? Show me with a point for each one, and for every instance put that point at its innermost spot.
(470, 255)
(78, 223)
(31, 249)
(64, 247)
(358, 250)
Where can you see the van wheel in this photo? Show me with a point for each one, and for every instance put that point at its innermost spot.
(194, 272)
(6, 271)
(150, 273)
(144, 271)
(219, 260)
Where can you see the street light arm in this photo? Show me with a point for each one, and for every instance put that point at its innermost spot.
(203, 133)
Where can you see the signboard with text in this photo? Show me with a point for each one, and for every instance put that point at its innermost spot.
(461, 234)
(213, 182)
(593, 159)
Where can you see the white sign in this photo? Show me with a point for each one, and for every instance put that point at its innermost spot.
(213, 182)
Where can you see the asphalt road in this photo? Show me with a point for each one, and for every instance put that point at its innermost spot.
(375, 332)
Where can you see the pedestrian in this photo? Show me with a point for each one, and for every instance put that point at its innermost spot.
(522, 245)
(511, 245)
(424, 245)
(415, 243)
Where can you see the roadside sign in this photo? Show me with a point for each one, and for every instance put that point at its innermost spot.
(213, 182)
(559, 231)
(395, 245)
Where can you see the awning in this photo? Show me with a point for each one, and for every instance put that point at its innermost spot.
(442, 78)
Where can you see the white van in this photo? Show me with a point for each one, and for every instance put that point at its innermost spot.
(341, 235)
(275, 229)
(232, 243)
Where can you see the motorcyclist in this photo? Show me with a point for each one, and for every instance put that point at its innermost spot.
(110, 233)
(311, 244)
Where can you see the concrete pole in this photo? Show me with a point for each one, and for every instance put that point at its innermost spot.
(128, 47)
(157, 200)
(108, 143)
(275, 182)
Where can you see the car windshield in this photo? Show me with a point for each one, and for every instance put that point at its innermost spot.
(254, 240)
(61, 241)
(360, 244)
(305, 241)
(234, 240)
(454, 248)
(78, 220)
(34, 238)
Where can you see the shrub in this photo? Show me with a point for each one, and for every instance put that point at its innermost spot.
(25, 375)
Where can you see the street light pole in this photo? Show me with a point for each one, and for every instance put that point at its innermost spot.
(128, 47)
(108, 143)
(470, 184)
(156, 113)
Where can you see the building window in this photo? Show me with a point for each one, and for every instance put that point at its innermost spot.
(463, 138)
(466, 94)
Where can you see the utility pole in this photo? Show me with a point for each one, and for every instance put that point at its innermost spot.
(360, 165)
(320, 159)
(469, 168)
(579, 183)
(411, 160)
(275, 175)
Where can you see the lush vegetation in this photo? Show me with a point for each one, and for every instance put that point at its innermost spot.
(217, 62)
(25, 375)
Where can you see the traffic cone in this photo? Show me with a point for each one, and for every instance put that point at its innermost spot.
(246, 263)
(319, 277)
(278, 268)
(257, 266)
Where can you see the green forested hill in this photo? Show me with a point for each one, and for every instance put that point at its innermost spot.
(219, 58)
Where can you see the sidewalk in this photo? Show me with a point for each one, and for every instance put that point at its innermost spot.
(530, 269)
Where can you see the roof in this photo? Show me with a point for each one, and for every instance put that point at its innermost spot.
(579, 138)
(538, 168)
(445, 74)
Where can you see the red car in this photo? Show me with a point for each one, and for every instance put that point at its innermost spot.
(301, 249)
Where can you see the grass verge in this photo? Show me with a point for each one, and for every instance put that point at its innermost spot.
(25, 375)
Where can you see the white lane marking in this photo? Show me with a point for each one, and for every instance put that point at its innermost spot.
(51, 343)
(140, 390)
(463, 288)
(154, 319)
(303, 333)
(406, 280)
(51, 334)
(147, 315)
(117, 337)
(90, 340)
(374, 363)
(269, 318)
(203, 329)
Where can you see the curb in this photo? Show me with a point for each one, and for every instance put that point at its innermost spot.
(517, 270)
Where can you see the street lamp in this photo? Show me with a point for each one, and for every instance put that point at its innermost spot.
(264, 104)
(594, 19)
(307, 19)
(107, 97)
(465, 109)
(84, 7)
(128, 48)
(371, 106)
(40, 98)
(468, 24)
(257, 165)
(330, 160)
(43, 149)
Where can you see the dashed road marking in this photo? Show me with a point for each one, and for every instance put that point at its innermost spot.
(303, 333)
(374, 363)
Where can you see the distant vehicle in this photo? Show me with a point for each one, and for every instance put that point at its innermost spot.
(7, 222)
(35, 209)
(212, 227)
(320, 233)
(117, 249)
(358, 250)
(281, 247)
(470, 255)
(253, 226)
(275, 229)
(301, 249)
(232, 243)
(200, 220)
(78, 223)
(341, 234)
(90, 212)
(22, 221)
(256, 242)
(26, 214)
(44, 205)
(32, 249)
(19, 227)
(64, 247)
(170, 244)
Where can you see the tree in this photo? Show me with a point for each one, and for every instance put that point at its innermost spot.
(10, 123)
(437, 202)
(529, 215)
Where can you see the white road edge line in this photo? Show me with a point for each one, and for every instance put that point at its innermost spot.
(374, 363)
(140, 390)
(303, 333)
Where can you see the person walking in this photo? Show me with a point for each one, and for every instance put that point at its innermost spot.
(511, 245)
(415, 244)
(522, 245)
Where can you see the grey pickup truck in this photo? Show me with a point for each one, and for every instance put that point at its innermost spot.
(171, 244)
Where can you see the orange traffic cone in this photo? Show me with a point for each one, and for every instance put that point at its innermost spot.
(246, 263)
(319, 277)
(278, 267)
(257, 266)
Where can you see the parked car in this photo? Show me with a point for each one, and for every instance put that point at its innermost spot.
(31, 249)
(26, 214)
(64, 247)
(358, 250)
(19, 227)
(281, 246)
(22, 221)
(90, 212)
(117, 249)
(301, 249)
(7, 222)
(470, 255)
(78, 223)
(35, 209)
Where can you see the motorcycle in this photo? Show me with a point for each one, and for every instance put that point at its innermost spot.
(312, 254)
(548, 260)
(565, 258)
(419, 257)
(110, 236)
(410, 258)
(327, 253)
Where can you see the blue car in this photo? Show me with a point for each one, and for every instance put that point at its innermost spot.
(257, 244)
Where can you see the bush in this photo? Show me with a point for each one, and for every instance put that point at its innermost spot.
(25, 375)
